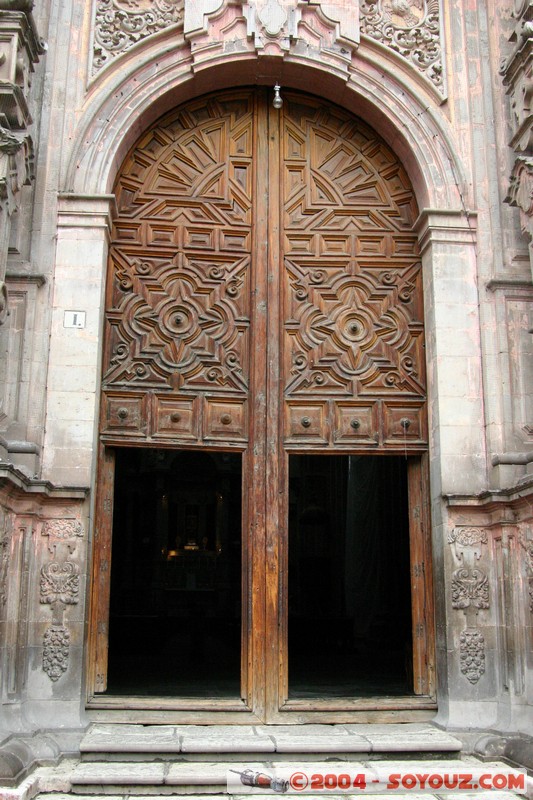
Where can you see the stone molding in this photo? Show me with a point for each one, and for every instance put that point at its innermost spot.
(411, 29)
(86, 211)
(436, 226)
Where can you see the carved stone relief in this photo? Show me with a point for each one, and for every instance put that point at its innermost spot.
(520, 193)
(60, 583)
(119, 24)
(5, 542)
(528, 551)
(470, 593)
(470, 587)
(59, 588)
(56, 647)
(472, 654)
(409, 27)
(62, 530)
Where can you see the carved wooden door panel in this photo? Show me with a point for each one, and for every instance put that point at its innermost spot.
(264, 296)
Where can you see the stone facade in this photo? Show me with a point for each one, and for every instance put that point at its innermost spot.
(447, 85)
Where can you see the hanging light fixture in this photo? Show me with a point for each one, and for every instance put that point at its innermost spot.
(277, 102)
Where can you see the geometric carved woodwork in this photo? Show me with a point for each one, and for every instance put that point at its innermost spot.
(353, 301)
(180, 285)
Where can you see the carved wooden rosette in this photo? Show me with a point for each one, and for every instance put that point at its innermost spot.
(178, 334)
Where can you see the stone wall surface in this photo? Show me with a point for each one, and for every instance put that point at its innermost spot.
(448, 86)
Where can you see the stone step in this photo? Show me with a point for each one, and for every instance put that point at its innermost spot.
(114, 741)
(224, 796)
(190, 778)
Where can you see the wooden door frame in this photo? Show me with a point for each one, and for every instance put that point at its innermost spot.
(264, 666)
(422, 616)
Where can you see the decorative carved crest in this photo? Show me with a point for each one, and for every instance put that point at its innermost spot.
(470, 588)
(472, 654)
(60, 583)
(62, 528)
(119, 24)
(468, 538)
(56, 647)
(409, 27)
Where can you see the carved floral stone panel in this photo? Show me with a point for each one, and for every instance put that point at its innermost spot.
(119, 24)
(472, 654)
(409, 27)
(528, 552)
(56, 646)
(5, 542)
(60, 583)
(470, 587)
(62, 528)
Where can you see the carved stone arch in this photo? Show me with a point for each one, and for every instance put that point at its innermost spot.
(422, 141)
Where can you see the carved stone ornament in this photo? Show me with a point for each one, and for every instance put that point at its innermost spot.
(119, 24)
(62, 528)
(472, 654)
(56, 646)
(16, 166)
(468, 537)
(4, 555)
(528, 550)
(470, 588)
(4, 307)
(60, 583)
(409, 27)
(520, 192)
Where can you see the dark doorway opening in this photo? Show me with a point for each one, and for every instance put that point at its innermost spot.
(175, 606)
(349, 577)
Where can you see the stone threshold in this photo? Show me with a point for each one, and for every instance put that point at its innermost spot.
(203, 739)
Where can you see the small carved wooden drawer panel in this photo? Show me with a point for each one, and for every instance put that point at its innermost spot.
(404, 423)
(356, 423)
(175, 417)
(307, 422)
(125, 413)
(225, 420)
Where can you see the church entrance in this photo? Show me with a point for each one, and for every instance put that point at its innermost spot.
(262, 541)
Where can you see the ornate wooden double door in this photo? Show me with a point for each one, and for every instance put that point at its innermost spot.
(261, 541)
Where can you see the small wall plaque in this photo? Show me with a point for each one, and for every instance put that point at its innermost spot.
(74, 319)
